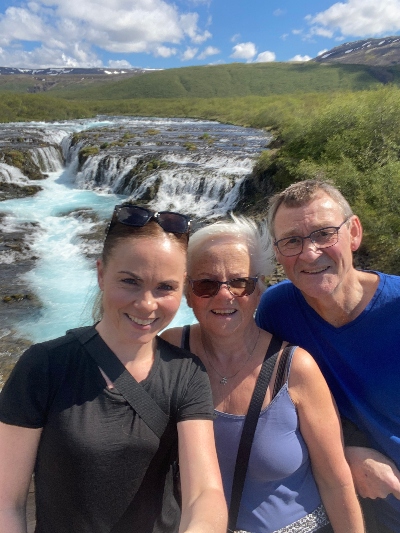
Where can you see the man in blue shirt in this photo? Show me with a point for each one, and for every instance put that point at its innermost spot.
(349, 320)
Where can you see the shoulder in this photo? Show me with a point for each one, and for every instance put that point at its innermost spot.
(178, 357)
(390, 282)
(305, 375)
(173, 336)
(278, 291)
(43, 350)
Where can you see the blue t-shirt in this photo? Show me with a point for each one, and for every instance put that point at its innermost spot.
(360, 361)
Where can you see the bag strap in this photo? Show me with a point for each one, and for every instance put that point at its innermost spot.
(126, 384)
(249, 427)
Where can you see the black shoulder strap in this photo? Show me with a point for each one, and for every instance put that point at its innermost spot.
(185, 341)
(249, 427)
(131, 390)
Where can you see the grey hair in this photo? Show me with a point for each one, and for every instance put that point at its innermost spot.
(301, 193)
(255, 236)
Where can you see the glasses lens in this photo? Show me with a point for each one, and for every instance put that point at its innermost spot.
(173, 222)
(242, 286)
(205, 288)
(133, 216)
(324, 237)
(292, 245)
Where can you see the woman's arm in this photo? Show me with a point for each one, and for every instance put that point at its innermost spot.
(18, 447)
(321, 430)
(203, 502)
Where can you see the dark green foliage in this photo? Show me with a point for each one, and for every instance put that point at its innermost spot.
(354, 141)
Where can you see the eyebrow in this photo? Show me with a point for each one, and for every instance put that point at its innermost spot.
(141, 279)
(296, 233)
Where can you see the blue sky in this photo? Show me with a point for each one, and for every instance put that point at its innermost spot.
(168, 34)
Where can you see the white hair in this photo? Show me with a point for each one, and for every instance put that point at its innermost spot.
(256, 237)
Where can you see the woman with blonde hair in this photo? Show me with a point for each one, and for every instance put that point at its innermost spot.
(297, 478)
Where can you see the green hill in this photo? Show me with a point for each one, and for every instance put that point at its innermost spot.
(236, 80)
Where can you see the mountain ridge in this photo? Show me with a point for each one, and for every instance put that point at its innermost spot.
(382, 52)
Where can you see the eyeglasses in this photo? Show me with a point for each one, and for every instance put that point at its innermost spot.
(136, 216)
(206, 288)
(321, 238)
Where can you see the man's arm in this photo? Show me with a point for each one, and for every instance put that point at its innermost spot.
(374, 474)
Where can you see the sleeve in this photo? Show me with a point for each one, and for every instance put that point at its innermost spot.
(197, 403)
(24, 398)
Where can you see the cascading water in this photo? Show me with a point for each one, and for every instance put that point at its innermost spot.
(195, 167)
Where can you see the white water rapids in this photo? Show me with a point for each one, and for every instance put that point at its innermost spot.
(205, 183)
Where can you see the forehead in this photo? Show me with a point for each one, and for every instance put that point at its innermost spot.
(144, 249)
(220, 251)
(320, 212)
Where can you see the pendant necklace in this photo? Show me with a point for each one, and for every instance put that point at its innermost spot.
(224, 379)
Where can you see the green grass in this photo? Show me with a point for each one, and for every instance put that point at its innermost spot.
(235, 80)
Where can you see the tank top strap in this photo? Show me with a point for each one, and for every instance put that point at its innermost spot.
(185, 340)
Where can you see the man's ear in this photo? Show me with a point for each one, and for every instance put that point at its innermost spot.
(100, 273)
(356, 233)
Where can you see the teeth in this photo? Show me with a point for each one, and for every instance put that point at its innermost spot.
(141, 322)
(218, 312)
(315, 271)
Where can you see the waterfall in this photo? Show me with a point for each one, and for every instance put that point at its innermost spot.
(196, 167)
(9, 174)
(48, 158)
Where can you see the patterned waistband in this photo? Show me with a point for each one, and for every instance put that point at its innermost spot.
(308, 524)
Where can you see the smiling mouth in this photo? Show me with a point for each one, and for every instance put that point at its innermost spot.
(140, 321)
(227, 312)
(316, 271)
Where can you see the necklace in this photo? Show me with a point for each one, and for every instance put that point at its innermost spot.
(224, 379)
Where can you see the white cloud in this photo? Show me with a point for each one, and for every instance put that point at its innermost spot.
(322, 52)
(70, 31)
(299, 57)
(189, 25)
(164, 51)
(244, 51)
(189, 53)
(297, 32)
(322, 32)
(265, 57)
(20, 24)
(209, 51)
(122, 63)
(235, 37)
(278, 12)
(358, 18)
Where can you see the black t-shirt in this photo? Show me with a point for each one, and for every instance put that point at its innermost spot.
(93, 443)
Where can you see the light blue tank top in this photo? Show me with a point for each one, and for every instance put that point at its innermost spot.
(280, 488)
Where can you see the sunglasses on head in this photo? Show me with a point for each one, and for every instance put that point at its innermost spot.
(136, 216)
(206, 288)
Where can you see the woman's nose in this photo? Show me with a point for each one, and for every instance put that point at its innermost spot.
(146, 300)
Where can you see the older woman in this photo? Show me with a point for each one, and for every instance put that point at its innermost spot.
(297, 477)
(103, 460)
